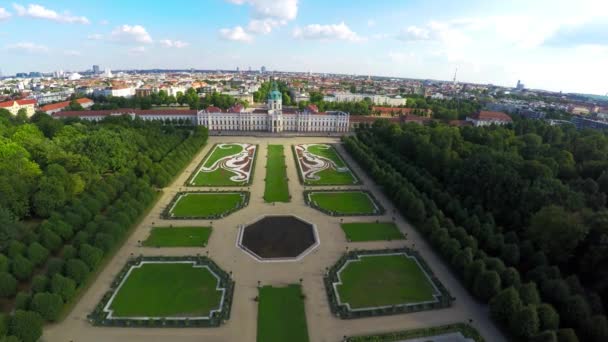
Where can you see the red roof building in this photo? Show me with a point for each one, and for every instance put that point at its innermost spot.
(14, 106)
(486, 118)
(56, 107)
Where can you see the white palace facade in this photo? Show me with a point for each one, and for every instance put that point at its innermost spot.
(271, 119)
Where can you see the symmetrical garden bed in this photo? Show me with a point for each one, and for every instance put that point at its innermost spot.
(281, 315)
(230, 164)
(321, 164)
(166, 292)
(276, 188)
(384, 282)
(205, 204)
(344, 202)
(178, 237)
(371, 231)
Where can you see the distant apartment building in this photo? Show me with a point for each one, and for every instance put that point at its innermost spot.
(380, 100)
(44, 98)
(487, 118)
(143, 92)
(397, 111)
(241, 96)
(57, 107)
(115, 91)
(588, 123)
(13, 106)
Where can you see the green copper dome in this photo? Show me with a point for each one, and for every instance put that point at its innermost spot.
(275, 94)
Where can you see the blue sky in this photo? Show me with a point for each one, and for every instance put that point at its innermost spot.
(555, 45)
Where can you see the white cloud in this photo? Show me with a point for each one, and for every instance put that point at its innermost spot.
(73, 53)
(40, 12)
(4, 14)
(130, 34)
(371, 23)
(236, 33)
(137, 50)
(414, 33)
(278, 9)
(95, 36)
(173, 43)
(327, 32)
(401, 57)
(266, 16)
(28, 47)
(104, 22)
(263, 26)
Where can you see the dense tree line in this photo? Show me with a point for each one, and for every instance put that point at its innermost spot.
(190, 98)
(69, 192)
(451, 109)
(519, 213)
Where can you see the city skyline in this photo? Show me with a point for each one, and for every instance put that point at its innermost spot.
(548, 45)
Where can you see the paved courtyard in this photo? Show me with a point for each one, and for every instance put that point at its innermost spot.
(322, 325)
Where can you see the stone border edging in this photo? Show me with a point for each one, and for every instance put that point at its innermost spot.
(102, 316)
(379, 208)
(343, 311)
(166, 214)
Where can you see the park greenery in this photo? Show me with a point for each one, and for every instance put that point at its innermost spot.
(178, 237)
(191, 98)
(276, 188)
(383, 280)
(205, 204)
(69, 192)
(338, 203)
(371, 231)
(281, 315)
(167, 290)
(519, 212)
(220, 176)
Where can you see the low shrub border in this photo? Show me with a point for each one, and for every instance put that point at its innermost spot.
(342, 311)
(198, 167)
(463, 328)
(166, 214)
(358, 179)
(99, 317)
(311, 204)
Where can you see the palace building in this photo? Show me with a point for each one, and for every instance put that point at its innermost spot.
(273, 118)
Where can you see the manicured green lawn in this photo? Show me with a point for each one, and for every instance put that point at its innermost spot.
(383, 280)
(206, 204)
(328, 152)
(276, 189)
(219, 153)
(219, 177)
(371, 231)
(178, 237)
(281, 315)
(333, 177)
(167, 290)
(348, 202)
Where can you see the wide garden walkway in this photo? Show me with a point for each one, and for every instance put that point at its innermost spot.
(247, 271)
